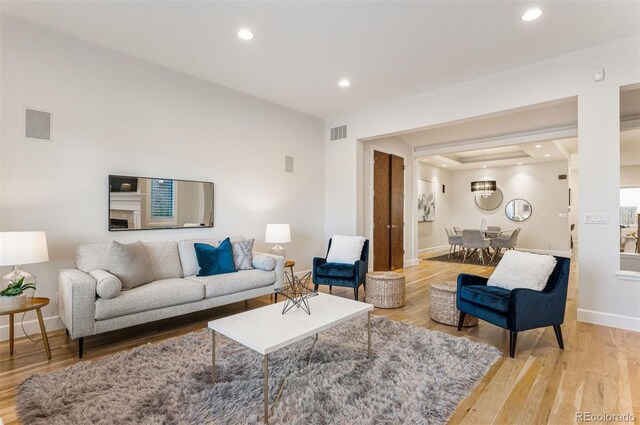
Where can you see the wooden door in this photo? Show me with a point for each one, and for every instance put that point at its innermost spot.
(381, 211)
(397, 212)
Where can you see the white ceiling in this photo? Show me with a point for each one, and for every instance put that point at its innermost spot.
(505, 156)
(387, 49)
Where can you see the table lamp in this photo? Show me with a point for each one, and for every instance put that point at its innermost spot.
(277, 234)
(18, 248)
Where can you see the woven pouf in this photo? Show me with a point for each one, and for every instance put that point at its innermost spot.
(385, 289)
(443, 304)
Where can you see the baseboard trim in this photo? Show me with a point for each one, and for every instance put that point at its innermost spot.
(609, 319)
(433, 249)
(31, 326)
(412, 262)
(547, 251)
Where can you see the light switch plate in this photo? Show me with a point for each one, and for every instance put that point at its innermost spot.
(562, 216)
(596, 218)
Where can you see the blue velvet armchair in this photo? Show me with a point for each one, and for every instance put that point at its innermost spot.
(519, 309)
(337, 274)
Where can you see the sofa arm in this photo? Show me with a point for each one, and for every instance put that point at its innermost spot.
(77, 301)
(279, 268)
(529, 309)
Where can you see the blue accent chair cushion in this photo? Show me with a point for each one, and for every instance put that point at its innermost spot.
(338, 274)
(488, 296)
(215, 260)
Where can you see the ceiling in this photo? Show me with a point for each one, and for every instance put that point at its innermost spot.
(505, 156)
(301, 50)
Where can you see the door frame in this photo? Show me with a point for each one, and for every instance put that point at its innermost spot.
(371, 189)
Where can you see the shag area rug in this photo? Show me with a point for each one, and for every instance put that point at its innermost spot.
(471, 259)
(415, 376)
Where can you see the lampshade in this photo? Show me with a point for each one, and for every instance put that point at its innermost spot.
(17, 248)
(277, 233)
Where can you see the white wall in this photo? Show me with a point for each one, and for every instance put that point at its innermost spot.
(113, 114)
(431, 235)
(604, 297)
(536, 183)
(630, 176)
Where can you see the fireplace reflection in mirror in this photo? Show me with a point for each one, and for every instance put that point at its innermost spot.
(146, 203)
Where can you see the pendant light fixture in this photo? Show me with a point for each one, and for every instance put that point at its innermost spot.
(483, 188)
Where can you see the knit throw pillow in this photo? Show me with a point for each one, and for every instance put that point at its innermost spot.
(243, 254)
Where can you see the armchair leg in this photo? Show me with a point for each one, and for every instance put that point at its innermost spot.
(330, 288)
(461, 320)
(558, 332)
(315, 287)
(355, 293)
(513, 336)
(80, 346)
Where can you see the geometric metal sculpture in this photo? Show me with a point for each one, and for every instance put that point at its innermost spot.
(297, 293)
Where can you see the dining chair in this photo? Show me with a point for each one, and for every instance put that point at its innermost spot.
(504, 240)
(455, 240)
(493, 228)
(474, 239)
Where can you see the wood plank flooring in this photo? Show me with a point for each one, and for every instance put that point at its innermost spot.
(597, 372)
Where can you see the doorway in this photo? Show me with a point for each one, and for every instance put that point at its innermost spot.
(388, 211)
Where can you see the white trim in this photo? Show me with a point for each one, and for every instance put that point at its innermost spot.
(31, 326)
(413, 262)
(434, 248)
(628, 275)
(608, 319)
(547, 251)
(371, 190)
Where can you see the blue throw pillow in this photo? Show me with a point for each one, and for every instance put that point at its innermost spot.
(215, 260)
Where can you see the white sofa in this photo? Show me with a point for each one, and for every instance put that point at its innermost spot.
(176, 290)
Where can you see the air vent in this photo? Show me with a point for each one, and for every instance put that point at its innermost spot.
(562, 176)
(338, 133)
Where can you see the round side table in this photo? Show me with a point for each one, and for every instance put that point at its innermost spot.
(35, 303)
(443, 304)
(385, 289)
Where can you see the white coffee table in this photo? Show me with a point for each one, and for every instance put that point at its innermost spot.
(266, 329)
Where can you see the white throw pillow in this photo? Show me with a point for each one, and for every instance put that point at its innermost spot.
(345, 249)
(107, 285)
(519, 269)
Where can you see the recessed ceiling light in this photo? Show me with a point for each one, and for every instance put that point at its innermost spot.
(531, 15)
(547, 155)
(519, 163)
(245, 34)
(484, 166)
(344, 83)
(538, 146)
(444, 165)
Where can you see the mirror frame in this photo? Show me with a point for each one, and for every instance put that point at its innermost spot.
(213, 206)
(518, 199)
(491, 209)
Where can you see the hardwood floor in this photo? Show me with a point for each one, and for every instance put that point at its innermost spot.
(597, 372)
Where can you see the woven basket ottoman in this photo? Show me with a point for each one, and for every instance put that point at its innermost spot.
(443, 304)
(385, 289)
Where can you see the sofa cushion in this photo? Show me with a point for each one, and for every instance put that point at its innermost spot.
(165, 260)
(230, 283)
(488, 296)
(215, 260)
(188, 257)
(518, 269)
(153, 295)
(335, 270)
(131, 263)
(92, 256)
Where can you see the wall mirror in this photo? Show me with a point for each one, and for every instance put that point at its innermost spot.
(491, 202)
(145, 203)
(518, 210)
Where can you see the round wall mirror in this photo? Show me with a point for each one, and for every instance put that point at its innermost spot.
(491, 202)
(518, 210)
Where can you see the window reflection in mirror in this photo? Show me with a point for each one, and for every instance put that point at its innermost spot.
(629, 177)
